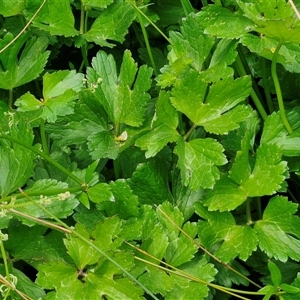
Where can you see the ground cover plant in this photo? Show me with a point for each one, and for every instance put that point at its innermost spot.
(149, 149)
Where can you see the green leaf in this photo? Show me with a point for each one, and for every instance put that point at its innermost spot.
(89, 118)
(150, 182)
(100, 192)
(224, 23)
(192, 43)
(17, 162)
(9, 8)
(278, 230)
(275, 132)
(189, 97)
(198, 161)
(124, 98)
(54, 17)
(275, 273)
(59, 92)
(102, 145)
(97, 3)
(61, 205)
(18, 69)
(112, 24)
(220, 228)
(266, 177)
(288, 54)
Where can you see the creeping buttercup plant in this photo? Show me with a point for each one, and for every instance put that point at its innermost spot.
(149, 149)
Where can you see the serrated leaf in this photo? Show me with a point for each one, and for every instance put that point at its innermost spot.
(17, 162)
(275, 133)
(288, 54)
(88, 118)
(220, 227)
(192, 43)
(225, 52)
(17, 69)
(59, 205)
(224, 23)
(198, 161)
(124, 98)
(189, 97)
(55, 17)
(59, 92)
(149, 182)
(102, 145)
(100, 192)
(266, 177)
(9, 8)
(97, 3)
(112, 24)
(278, 236)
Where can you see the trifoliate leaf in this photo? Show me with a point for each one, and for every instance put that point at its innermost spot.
(112, 24)
(220, 227)
(17, 69)
(198, 161)
(278, 230)
(224, 23)
(16, 162)
(124, 98)
(266, 177)
(59, 92)
(189, 97)
(55, 17)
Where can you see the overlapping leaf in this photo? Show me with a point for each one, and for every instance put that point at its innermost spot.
(60, 89)
(17, 69)
(112, 23)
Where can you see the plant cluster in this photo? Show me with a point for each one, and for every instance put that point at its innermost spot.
(149, 149)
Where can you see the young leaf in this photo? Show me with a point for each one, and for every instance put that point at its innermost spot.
(278, 230)
(198, 161)
(275, 273)
(112, 24)
(19, 69)
(124, 98)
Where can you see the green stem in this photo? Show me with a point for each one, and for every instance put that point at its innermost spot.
(150, 21)
(72, 190)
(45, 156)
(278, 90)
(258, 208)
(44, 138)
(145, 35)
(187, 7)
(190, 132)
(10, 98)
(4, 258)
(248, 211)
(82, 31)
(241, 70)
(266, 86)
(92, 245)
